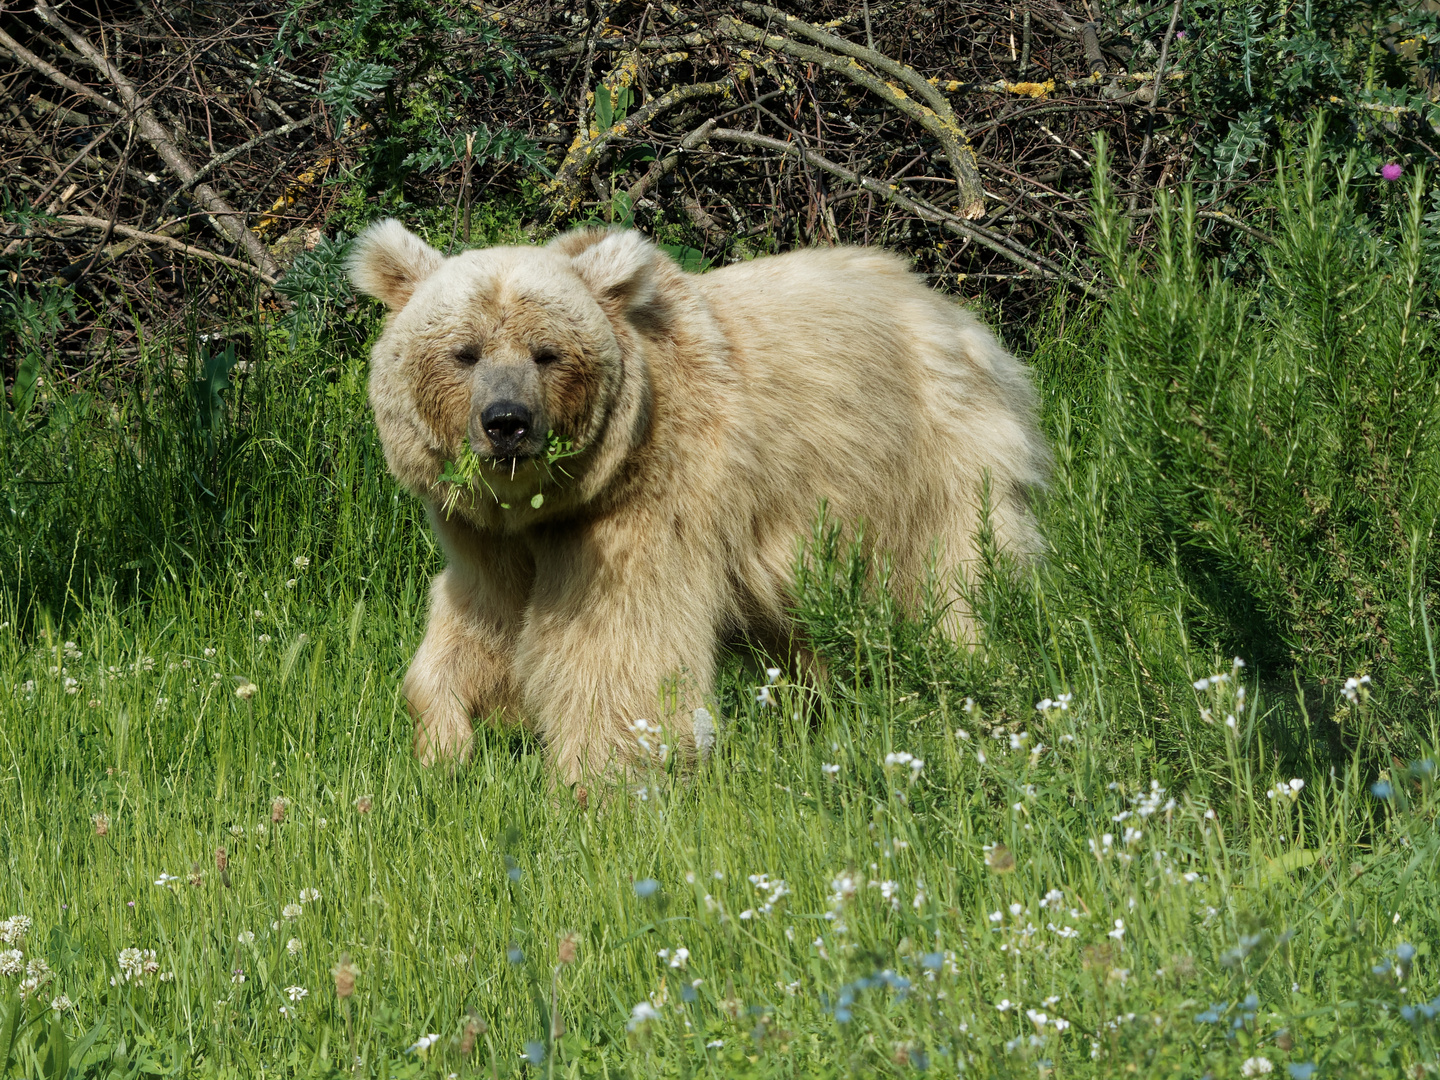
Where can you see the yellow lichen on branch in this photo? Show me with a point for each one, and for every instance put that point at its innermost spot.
(1032, 89)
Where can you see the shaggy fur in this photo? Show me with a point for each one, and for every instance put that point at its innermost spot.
(711, 415)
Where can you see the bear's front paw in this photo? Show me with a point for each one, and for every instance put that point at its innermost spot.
(443, 739)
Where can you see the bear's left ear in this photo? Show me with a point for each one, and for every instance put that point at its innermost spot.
(617, 264)
(387, 261)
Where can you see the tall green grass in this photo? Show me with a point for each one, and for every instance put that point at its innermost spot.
(1094, 844)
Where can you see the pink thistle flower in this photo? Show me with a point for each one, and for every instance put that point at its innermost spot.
(1391, 171)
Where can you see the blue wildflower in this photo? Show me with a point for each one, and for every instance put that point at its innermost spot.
(646, 887)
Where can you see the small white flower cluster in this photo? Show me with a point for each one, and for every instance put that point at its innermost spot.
(14, 929)
(890, 890)
(1106, 847)
(296, 993)
(1214, 682)
(650, 738)
(12, 962)
(1040, 1019)
(677, 957)
(423, 1044)
(137, 965)
(1059, 704)
(641, 1015)
(37, 974)
(772, 890)
(914, 763)
(1148, 802)
(1282, 790)
(763, 697)
(1357, 689)
(842, 888)
(1255, 1066)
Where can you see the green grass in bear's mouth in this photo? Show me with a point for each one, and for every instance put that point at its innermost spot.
(470, 471)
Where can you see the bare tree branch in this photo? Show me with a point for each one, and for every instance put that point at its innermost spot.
(1001, 245)
(103, 224)
(229, 222)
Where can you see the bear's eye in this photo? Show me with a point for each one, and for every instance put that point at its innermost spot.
(467, 356)
(544, 355)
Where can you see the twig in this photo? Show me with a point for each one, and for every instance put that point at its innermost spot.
(937, 117)
(45, 192)
(567, 187)
(1214, 215)
(224, 159)
(229, 222)
(29, 59)
(660, 169)
(87, 222)
(1154, 100)
(1001, 245)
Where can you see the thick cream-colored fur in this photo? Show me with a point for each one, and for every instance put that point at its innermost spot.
(713, 413)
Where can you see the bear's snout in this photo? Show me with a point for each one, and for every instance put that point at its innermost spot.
(507, 425)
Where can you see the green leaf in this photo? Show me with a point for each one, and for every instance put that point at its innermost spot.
(1290, 861)
(537, 501)
(691, 260)
(351, 83)
(57, 1051)
(9, 1031)
(604, 111)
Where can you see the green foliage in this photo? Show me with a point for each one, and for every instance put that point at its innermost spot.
(197, 470)
(352, 83)
(1278, 442)
(408, 68)
(317, 286)
(1092, 814)
(1258, 67)
(484, 145)
(862, 880)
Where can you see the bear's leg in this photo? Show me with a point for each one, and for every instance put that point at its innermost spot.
(463, 668)
(625, 630)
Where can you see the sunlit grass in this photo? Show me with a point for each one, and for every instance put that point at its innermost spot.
(810, 901)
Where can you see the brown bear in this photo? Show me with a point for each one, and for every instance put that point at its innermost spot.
(645, 452)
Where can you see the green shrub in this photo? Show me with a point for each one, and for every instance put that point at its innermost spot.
(1277, 443)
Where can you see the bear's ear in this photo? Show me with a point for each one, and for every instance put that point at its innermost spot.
(387, 261)
(617, 264)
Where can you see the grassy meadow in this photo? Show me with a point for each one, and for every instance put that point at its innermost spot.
(1175, 813)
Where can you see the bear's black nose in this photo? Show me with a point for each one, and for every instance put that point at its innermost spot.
(506, 423)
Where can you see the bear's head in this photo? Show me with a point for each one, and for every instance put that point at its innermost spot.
(520, 354)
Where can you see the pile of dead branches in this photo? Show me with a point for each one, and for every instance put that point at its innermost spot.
(160, 155)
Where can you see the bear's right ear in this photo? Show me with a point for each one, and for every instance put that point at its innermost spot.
(387, 261)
